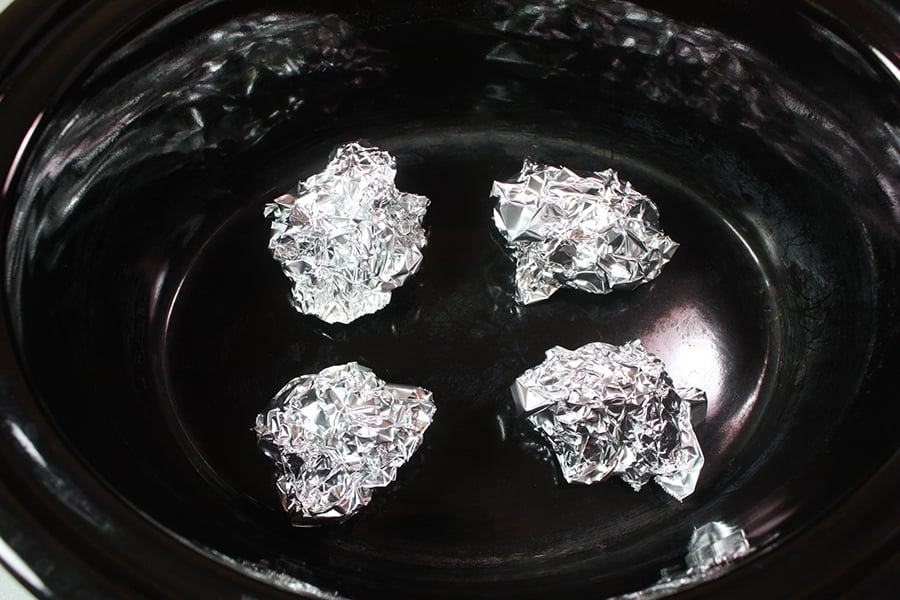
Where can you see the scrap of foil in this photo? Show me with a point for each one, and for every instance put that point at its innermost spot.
(594, 234)
(715, 544)
(608, 410)
(712, 550)
(349, 237)
(336, 435)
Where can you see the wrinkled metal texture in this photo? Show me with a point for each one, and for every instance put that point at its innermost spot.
(712, 551)
(594, 233)
(337, 435)
(349, 237)
(608, 410)
(715, 544)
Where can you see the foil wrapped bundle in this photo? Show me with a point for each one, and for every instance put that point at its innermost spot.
(594, 234)
(337, 435)
(349, 237)
(608, 410)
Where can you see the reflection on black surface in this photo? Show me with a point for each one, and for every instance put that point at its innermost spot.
(226, 89)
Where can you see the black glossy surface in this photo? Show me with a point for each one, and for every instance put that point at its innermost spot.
(152, 325)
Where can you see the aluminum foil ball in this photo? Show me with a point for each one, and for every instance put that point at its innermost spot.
(337, 435)
(594, 234)
(608, 410)
(349, 237)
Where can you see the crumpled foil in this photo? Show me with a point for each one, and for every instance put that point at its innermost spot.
(336, 435)
(349, 237)
(715, 544)
(710, 553)
(613, 410)
(594, 234)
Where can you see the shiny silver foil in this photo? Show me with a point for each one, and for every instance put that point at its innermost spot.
(608, 410)
(594, 234)
(712, 550)
(715, 544)
(349, 237)
(336, 435)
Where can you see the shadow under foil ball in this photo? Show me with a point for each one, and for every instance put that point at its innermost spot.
(145, 323)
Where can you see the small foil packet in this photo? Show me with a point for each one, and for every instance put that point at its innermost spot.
(337, 435)
(594, 234)
(349, 237)
(608, 410)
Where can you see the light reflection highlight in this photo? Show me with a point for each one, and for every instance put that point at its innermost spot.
(14, 167)
(693, 351)
(27, 444)
(14, 563)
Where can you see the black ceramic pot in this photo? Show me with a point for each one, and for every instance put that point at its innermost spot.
(144, 324)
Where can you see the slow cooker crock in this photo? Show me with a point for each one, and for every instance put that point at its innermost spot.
(144, 325)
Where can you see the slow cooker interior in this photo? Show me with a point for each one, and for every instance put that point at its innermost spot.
(153, 324)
